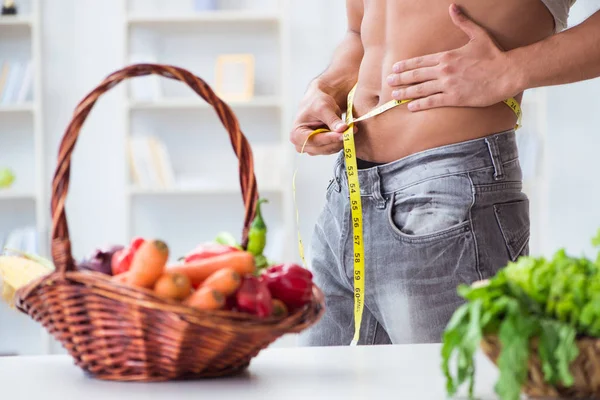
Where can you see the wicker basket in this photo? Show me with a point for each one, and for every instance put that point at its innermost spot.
(116, 332)
(585, 370)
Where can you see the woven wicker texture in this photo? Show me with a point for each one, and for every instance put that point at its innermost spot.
(117, 332)
(585, 370)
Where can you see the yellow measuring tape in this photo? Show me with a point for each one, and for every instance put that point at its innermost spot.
(355, 198)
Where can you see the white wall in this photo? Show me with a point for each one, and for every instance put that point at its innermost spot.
(572, 213)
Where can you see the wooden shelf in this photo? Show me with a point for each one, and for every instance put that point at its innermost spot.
(196, 103)
(205, 17)
(16, 20)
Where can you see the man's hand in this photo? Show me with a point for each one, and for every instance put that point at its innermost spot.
(317, 110)
(475, 75)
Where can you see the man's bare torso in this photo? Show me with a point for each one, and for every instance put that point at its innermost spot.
(393, 30)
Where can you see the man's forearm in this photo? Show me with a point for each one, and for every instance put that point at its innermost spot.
(570, 56)
(341, 75)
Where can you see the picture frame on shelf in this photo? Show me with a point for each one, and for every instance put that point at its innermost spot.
(235, 77)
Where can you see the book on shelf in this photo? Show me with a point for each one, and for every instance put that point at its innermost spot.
(24, 239)
(16, 79)
(150, 163)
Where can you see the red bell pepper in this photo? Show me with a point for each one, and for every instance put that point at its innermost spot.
(254, 297)
(207, 250)
(121, 260)
(289, 283)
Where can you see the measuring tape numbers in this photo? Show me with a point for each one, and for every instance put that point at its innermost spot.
(355, 197)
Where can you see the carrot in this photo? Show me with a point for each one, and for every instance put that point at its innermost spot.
(225, 280)
(173, 286)
(206, 298)
(241, 262)
(148, 263)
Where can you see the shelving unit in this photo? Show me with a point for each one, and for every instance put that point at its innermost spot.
(22, 143)
(161, 32)
(24, 29)
(25, 117)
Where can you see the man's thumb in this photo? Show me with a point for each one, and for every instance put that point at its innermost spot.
(336, 124)
(461, 20)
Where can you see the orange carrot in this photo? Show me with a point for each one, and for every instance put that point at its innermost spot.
(206, 299)
(173, 286)
(148, 263)
(225, 280)
(241, 262)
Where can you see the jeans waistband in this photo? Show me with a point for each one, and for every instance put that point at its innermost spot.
(491, 151)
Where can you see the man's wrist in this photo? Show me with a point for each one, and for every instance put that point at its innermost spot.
(336, 88)
(517, 78)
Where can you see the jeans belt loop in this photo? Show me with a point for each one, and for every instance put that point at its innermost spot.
(495, 156)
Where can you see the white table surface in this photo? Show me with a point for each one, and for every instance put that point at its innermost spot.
(369, 373)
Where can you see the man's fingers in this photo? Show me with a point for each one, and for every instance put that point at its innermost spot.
(316, 140)
(411, 77)
(325, 139)
(418, 91)
(462, 21)
(324, 150)
(430, 60)
(320, 150)
(437, 100)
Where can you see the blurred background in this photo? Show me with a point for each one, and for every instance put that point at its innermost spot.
(153, 159)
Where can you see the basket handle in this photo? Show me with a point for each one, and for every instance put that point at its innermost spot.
(61, 244)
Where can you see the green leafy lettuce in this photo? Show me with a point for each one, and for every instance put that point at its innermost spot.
(551, 301)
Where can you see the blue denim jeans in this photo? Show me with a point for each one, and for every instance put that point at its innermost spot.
(433, 220)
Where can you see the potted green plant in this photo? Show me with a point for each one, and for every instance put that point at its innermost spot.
(538, 320)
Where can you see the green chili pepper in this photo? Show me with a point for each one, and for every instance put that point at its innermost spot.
(257, 236)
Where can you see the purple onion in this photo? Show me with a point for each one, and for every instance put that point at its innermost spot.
(100, 260)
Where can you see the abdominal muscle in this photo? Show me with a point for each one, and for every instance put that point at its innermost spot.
(393, 30)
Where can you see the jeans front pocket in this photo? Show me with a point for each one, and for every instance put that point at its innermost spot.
(433, 209)
(513, 220)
